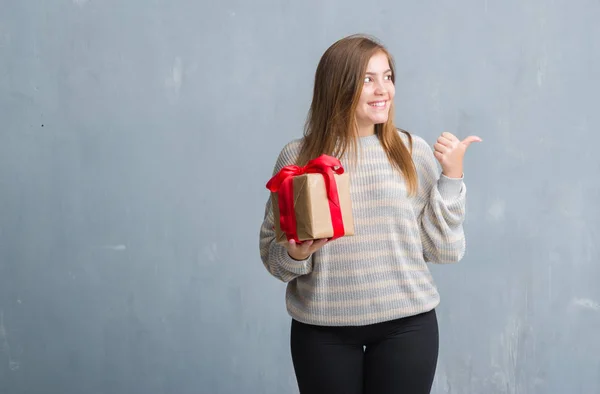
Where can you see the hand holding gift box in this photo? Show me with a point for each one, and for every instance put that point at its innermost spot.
(312, 202)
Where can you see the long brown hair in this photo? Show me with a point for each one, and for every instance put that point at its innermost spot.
(331, 124)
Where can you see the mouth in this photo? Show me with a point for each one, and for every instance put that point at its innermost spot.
(378, 104)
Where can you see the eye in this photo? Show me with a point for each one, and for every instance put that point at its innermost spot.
(389, 77)
(368, 79)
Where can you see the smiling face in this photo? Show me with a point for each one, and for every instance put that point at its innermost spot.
(377, 94)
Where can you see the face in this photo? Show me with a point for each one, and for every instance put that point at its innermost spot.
(377, 94)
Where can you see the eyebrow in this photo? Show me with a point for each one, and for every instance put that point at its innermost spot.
(385, 72)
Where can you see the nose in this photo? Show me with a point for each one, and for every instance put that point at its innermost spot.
(380, 88)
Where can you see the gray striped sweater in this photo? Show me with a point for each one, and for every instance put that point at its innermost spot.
(381, 272)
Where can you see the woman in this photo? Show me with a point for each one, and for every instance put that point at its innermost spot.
(363, 306)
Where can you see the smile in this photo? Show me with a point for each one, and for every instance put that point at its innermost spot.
(378, 104)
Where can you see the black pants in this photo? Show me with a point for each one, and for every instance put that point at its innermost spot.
(399, 357)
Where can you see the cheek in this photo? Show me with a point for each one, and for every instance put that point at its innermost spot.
(363, 107)
(392, 91)
(364, 97)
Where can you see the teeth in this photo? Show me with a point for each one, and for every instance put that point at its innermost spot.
(378, 104)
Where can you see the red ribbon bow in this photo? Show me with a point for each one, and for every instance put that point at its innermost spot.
(282, 184)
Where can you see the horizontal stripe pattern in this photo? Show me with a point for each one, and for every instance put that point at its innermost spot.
(381, 272)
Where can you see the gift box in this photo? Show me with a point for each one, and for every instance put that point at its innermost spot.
(312, 202)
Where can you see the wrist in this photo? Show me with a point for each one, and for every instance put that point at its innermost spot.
(453, 173)
(297, 258)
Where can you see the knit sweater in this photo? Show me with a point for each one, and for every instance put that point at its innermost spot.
(381, 272)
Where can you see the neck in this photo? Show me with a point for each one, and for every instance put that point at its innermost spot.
(366, 131)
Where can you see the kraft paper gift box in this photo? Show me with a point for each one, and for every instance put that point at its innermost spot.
(312, 202)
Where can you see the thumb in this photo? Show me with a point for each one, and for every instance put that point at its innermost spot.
(470, 139)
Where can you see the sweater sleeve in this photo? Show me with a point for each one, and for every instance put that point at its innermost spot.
(440, 208)
(274, 255)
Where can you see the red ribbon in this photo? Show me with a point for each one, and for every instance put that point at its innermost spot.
(282, 184)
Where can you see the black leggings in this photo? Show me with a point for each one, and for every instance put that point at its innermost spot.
(398, 357)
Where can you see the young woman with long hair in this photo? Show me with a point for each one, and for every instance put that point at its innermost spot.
(363, 306)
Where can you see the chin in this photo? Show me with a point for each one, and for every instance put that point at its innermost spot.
(380, 120)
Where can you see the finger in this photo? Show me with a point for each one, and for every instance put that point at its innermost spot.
(449, 136)
(438, 155)
(470, 139)
(318, 244)
(305, 246)
(440, 148)
(321, 242)
(293, 245)
(444, 141)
